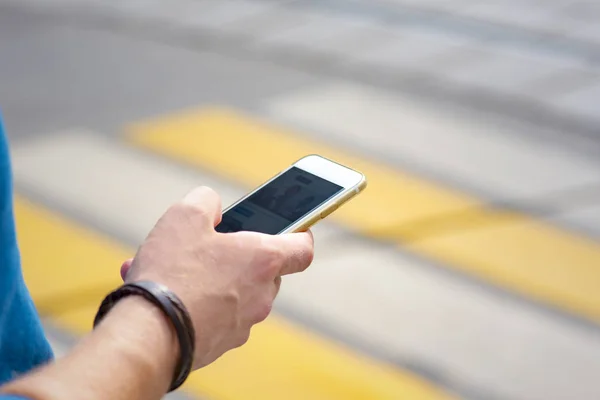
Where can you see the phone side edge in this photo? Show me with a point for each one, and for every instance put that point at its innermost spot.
(328, 208)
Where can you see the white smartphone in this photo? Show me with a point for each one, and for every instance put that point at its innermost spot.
(295, 199)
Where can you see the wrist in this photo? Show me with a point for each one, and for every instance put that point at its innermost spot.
(131, 354)
(146, 336)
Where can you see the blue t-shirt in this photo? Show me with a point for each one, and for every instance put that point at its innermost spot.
(23, 345)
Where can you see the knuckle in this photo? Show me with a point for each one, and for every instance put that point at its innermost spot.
(176, 208)
(262, 312)
(209, 192)
(272, 262)
(231, 300)
(196, 200)
(242, 337)
(207, 189)
(273, 252)
(302, 258)
(277, 287)
(175, 213)
(200, 192)
(263, 273)
(193, 211)
(268, 271)
(309, 256)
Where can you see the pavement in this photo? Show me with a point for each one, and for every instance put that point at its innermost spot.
(469, 267)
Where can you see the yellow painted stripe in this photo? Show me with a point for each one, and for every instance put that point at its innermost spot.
(60, 258)
(507, 249)
(69, 268)
(250, 152)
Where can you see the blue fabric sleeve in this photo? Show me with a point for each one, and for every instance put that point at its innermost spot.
(23, 345)
(12, 397)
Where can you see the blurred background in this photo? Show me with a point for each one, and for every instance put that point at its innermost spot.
(469, 269)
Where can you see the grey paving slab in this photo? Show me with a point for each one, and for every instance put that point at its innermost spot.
(412, 51)
(523, 14)
(56, 77)
(577, 209)
(586, 219)
(457, 146)
(144, 8)
(438, 5)
(343, 38)
(562, 83)
(510, 71)
(568, 17)
(589, 32)
(362, 37)
(584, 102)
(397, 307)
(223, 12)
(374, 42)
(439, 35)
(271, 22)
(582, 12)
(173, 12)
(321, 33)
(54, 3)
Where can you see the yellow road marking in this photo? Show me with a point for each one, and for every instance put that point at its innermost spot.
(508, 249)
(250, 152)
(60, 258)
(69, 268)
(528, 256)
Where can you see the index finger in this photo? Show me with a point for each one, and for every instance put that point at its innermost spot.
(296, 249)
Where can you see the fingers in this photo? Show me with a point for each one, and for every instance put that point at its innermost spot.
(295, 251)
(125, 268)
(277, 285)
(267, 304)
(206, 201)
(278, 254)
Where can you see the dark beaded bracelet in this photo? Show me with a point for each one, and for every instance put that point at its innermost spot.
(175, 311)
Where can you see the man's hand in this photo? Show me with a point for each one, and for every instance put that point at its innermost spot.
(227, 281)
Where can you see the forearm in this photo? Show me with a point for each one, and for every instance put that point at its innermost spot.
(131, 355)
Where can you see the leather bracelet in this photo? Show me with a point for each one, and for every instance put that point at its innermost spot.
(175, 311)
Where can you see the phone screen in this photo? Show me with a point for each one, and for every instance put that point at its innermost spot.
(280, 203)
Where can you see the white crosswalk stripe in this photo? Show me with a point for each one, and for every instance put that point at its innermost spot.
(456, 146)
(586, 218)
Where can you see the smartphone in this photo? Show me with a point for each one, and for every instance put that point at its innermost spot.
(295, 199)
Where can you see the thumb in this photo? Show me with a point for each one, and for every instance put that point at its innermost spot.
(297, 250)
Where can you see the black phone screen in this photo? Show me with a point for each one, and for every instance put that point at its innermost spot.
(279, 204)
